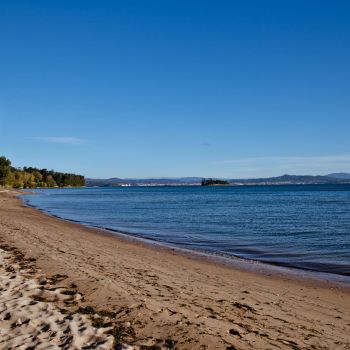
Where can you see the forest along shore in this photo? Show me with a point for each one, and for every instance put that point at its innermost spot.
(158, 297)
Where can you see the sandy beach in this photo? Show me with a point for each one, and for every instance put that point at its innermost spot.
(94, 286)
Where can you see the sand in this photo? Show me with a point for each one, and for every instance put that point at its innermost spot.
(29, 321)
(163, 299)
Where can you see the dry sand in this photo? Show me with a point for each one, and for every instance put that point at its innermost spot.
(160, 297)
(30, 316)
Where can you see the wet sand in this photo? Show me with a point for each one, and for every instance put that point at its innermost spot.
(168, 299)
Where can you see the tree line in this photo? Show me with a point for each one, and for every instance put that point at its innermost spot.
(29, 177)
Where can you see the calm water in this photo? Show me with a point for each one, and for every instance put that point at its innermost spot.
(300, 226)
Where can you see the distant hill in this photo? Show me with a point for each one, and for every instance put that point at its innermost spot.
(338, 178)
(342, 176)
(289, 180)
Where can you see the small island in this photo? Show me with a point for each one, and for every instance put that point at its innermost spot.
(213, 182)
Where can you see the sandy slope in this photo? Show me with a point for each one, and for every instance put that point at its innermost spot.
(167, 298)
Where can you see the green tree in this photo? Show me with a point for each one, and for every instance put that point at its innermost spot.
(50, 181)
(38, 179)
(28, 180)
(17, 179)
(5, 170)
(30, 177)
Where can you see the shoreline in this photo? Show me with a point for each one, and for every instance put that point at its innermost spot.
(232, 261)
(167, 295)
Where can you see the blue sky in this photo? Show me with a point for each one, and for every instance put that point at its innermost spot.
(176, 88)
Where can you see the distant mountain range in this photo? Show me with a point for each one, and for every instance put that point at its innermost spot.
(341, 176)
(335, 178)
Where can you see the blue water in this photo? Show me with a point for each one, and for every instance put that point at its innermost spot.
(304, 226)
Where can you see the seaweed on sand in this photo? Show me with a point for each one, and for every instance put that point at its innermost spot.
(122, 333)
(87, 310)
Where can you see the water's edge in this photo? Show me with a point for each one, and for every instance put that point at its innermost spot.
(266, 268)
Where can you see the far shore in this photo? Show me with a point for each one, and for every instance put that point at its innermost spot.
(190, 301)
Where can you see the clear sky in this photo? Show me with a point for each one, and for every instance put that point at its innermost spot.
(176, 88)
